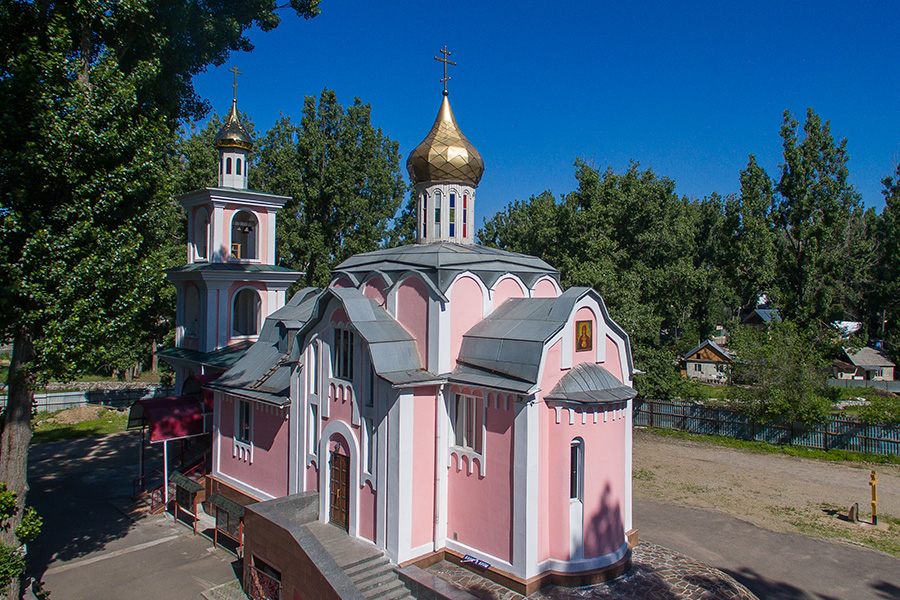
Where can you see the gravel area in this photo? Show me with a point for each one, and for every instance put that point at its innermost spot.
(774, 491)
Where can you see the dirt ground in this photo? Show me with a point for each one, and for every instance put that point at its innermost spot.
(773, 491)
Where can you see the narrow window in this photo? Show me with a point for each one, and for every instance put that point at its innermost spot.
(437, 214)
(424, 215)
(237, 170)
(465, 210)
(370, 398)
(371, 445)
(228, 166)
(243, 424)
(313, 428)
(342, 359)
(576, 468)
(452, 214)
(201, 234)
(468, 422)
(314, 368)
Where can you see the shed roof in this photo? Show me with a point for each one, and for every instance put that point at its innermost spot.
(589, 383)
(726, 357)
(222, 358)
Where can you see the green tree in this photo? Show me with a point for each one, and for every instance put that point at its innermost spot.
(745, 238)
(343, 177)
(885, 310)
(824, 246)
(90, 95)
(783, 371)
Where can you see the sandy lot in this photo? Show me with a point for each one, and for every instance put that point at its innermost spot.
(773, 491)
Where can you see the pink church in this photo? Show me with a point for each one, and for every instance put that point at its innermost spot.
(442, 399)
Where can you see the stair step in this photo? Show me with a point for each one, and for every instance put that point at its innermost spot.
(388, 591)
(364, 564)
(375, 580)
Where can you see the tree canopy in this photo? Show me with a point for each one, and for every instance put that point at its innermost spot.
(90, 96)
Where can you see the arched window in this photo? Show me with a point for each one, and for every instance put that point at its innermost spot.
(243, 235)
(191, 312)
(228, 166)
(245, 313)
(424, 214)
(576, 470)
(452, 214)
(437, 215)
(238, 167)
(201, 234)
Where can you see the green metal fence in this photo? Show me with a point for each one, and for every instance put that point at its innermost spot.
(838, 433)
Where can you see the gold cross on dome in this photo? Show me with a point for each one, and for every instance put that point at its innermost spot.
(446, 62)
(234, 70)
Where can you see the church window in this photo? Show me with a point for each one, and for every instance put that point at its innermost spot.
(228, 166)
(452, 214)
(243, 235)
(468, 422)
(437, 214)
(314, 368)
(371, 444)
(245, 313)
(424, 215)
(370, 397)
(313, 428)
(201, 234)
(342, 359)
(576, 470)
(237, 169)
(243, 430)
(465, 209)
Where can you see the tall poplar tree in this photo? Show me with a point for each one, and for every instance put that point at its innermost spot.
(90, 96)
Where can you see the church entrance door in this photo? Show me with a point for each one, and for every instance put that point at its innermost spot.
(340, 487)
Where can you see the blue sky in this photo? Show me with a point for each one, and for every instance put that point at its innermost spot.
(687, 89)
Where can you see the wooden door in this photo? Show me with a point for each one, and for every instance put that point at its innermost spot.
(340, 487)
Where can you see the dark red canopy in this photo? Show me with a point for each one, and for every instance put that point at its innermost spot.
(168, 418)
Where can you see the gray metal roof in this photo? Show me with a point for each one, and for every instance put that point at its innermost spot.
(264, 372)
(222, 358)
(589, 383)
(230, 266)
(868, 357)
(441, 262)
(392, 349)
(505, 349)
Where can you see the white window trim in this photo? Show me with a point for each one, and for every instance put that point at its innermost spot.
(242, 450)
(470, 453)
(366, 475)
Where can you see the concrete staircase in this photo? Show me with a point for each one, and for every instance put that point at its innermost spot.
(364, 564)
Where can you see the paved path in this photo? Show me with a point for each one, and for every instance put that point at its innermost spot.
(90, 549)
(774, 566)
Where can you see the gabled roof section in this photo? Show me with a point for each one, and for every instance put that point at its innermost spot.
(441, 262)
(264, 372)
(711, 345)
(589, 383)
(392, 349)
(505, 349)
(868, 357)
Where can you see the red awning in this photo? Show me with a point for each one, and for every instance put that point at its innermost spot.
(168, 418)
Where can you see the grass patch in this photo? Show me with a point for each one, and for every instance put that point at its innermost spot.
(801, 451)
(643, 474)
(46, 430)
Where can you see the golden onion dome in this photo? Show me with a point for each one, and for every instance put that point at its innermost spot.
(233, 134)
(445, 154)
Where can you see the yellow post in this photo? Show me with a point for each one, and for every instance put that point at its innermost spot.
(873, 481)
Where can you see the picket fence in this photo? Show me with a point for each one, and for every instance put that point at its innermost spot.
(839, 433)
